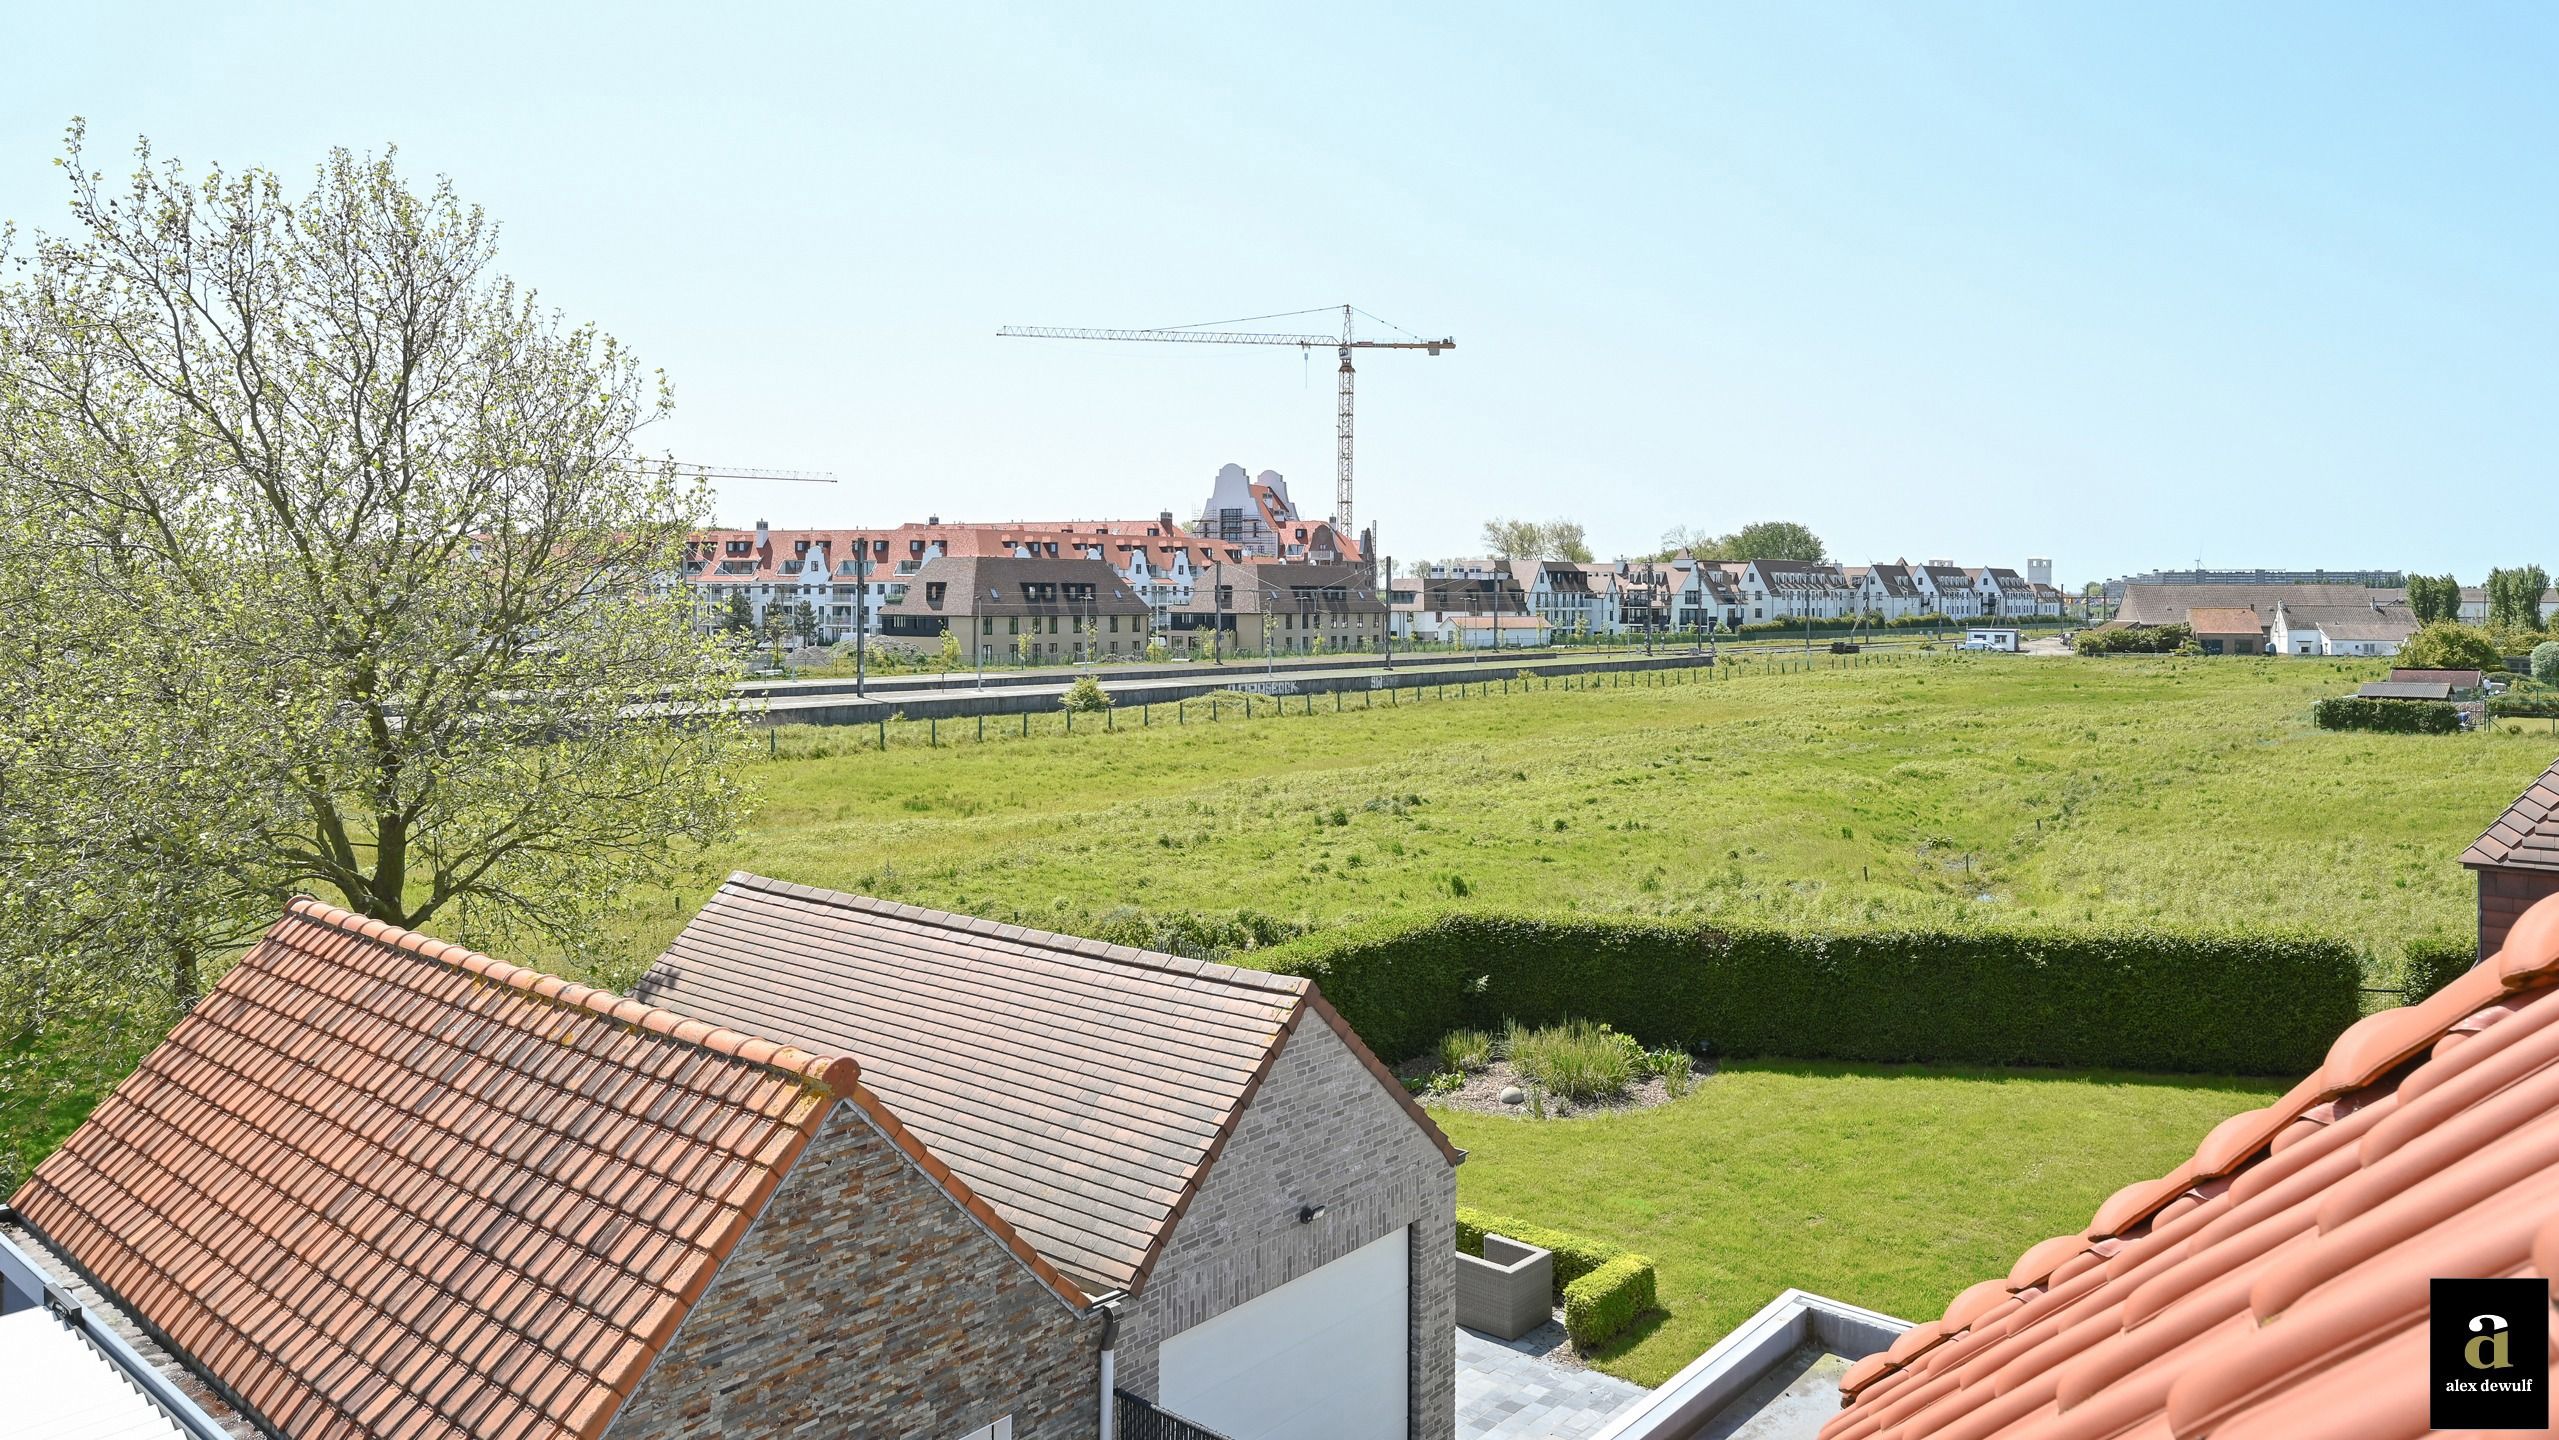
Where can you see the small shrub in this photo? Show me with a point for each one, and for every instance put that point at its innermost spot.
(2435, 962)
(1577, 1060)
(1672, 1064)
(1599, 1306)
(1465, 1050)
(1447, 1082)
(2390, 717)
(1085, 697)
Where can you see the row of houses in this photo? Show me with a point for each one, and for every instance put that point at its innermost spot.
(1461, 600)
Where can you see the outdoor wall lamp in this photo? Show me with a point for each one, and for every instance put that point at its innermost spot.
(1309, 1214)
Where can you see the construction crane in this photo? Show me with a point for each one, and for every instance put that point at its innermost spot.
(1202, 335)
(700, 471)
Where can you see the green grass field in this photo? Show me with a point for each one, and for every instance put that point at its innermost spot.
(2176, 792)
(1885, 1186)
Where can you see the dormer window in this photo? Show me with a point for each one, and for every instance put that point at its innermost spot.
(933, 591)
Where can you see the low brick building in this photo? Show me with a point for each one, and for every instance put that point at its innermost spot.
(1207, 1150)
(378, 1185)
(2517, 860)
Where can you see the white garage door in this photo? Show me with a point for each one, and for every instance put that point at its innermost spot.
(1323, 1357)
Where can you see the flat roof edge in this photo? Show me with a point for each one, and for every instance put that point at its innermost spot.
(1686, 1401)
(30, 1276)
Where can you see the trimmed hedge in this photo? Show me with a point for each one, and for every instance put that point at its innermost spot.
(2138, 1000)
(1600, 1305)
(2135, 640)
(2391, 717)
(2434, 963)
(1603, 1289)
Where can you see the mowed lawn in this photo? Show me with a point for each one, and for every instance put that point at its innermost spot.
(1889, 1187)
(2189, 793)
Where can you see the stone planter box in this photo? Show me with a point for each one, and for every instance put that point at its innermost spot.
(1507, 1291)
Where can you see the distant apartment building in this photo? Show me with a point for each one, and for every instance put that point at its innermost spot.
(1428, 608)
(1004, 608)
(847, 577)
(2361, 579)
(1255, 513)
(1797, 590)
(1276, 607)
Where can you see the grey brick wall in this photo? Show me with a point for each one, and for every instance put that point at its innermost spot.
(1321, 1131)
(866, 1303)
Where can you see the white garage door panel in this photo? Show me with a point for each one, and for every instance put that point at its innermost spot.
(1323, 1357)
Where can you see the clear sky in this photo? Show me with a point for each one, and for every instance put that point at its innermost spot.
(2127, 285)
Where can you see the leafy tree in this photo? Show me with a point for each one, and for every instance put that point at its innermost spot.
(1085, 697)
(1026, 648)
(1763, 540)
(1774, 540)
(804, 621)
(950, 656)
(2434, 597)
(2545, 662)
(352, 537)
(2450, 645)
(1157, 651)
(1535, 540)
(740, 616)
(2514, 597)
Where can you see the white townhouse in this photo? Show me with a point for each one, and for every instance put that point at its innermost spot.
(1891, 591)
(1948, 590)
(2002, 591)
(1797, 590)
(1561, 594)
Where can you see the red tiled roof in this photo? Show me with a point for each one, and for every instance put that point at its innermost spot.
(2526, 837)
(379, 1185)
(2276, 1283)
(1084, 1089)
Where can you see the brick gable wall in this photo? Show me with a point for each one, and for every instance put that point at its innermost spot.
(2503, 897)
(1320, 1130)
(865, 1302)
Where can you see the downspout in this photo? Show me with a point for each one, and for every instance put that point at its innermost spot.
(1109, 1305)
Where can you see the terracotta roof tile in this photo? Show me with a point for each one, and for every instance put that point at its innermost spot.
(2276, 1283)
(1082, 1089)
(376, 1184)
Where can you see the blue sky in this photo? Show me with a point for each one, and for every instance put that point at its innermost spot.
(2127, 286)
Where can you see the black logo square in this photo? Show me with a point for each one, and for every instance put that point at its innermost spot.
(2488, 1348)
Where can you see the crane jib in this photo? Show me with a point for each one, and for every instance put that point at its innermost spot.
(1342, 343)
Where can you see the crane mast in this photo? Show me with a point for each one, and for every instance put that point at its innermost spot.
(1347, 342)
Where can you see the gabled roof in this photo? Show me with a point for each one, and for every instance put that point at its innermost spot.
(2404, 690)
(2457, 679)
(379, 1185)
(2233, 621)
(2276, 1283)
(2526, 837)
(1083, 1089)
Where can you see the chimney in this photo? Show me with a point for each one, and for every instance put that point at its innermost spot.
(763, 535)
(1165, 519)
(932, 519)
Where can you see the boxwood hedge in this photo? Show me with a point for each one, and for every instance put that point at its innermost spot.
(2395, 717)
(2435, 962)
(2246, 1004)
(1603, 1289)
